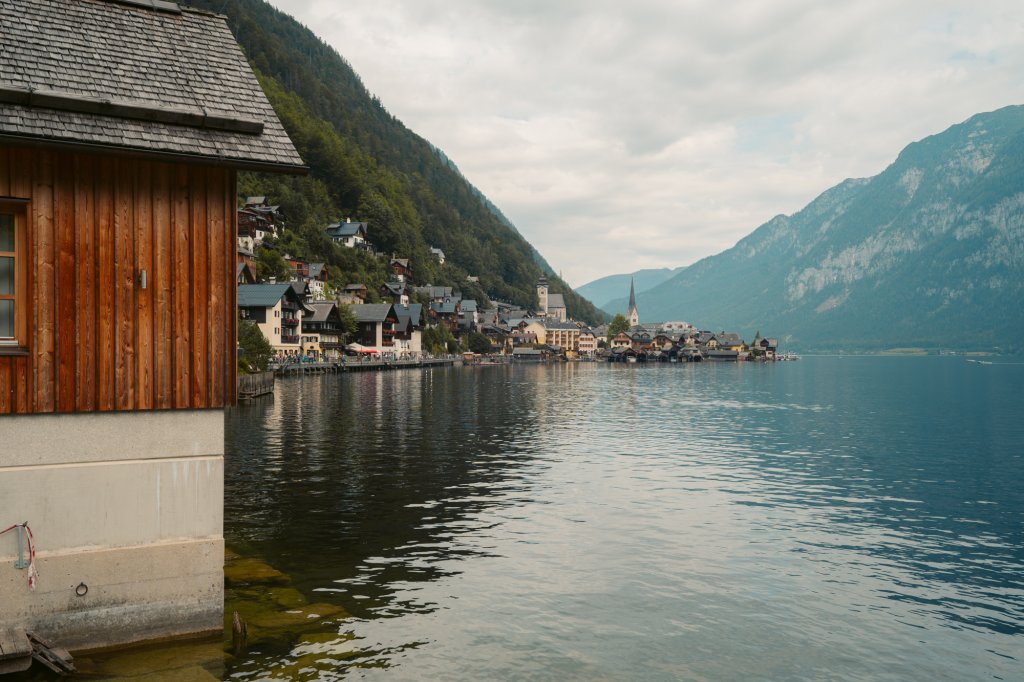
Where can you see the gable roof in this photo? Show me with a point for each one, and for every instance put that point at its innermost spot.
(264, 295)
(321, 311)
(148, 78)
(555, 301)
(371, 312)
(346, 229)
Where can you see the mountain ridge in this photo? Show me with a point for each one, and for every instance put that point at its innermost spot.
(932, 243)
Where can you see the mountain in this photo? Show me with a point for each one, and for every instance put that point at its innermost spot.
(607, 289)
(928, 253)
(367, 165)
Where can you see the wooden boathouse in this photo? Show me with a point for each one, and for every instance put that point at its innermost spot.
(123, 124)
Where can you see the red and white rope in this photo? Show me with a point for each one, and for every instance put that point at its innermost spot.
(33, 574)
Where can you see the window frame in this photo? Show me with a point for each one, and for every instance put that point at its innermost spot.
(19, 208)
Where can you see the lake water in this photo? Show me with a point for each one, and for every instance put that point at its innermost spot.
(828, 519)
(832, 518)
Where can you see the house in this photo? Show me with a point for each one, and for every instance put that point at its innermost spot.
(469, 316)
(438, 294)
(245, 273)
(118, 222)
(438, 254)
(356, 290)
(349, 234)
(445, 312)
(409, 330)
(530, 354)
(566, 335)
(621, 340)
(323, 338)
(396, 292)
(587, 342)
(375, 327)
(401, 269)
(277, 309)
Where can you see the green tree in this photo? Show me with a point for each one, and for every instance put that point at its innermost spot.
(270, 263)
(348, 321)
(618, 324)
(256, 350)
(479, 343)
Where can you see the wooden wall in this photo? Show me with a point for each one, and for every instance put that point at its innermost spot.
(97, 340)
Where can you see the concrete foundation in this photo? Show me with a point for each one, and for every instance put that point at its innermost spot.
(127, 514)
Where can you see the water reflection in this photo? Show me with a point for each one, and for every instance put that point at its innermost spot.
(853, 518)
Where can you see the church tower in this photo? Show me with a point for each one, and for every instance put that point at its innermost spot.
(542, 294)
(632, 315)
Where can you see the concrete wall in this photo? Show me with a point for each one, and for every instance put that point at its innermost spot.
(129, 504)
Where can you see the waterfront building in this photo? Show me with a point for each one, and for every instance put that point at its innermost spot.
(277, 309)
(118, 223)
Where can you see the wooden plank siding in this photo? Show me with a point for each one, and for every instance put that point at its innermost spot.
(97, 341)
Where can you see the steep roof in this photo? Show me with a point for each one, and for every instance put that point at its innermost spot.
(321, 311)
(555, 301)
(371, 312)
(150, 78)
(264, 295)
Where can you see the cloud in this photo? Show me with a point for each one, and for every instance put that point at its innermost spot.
(619, 136)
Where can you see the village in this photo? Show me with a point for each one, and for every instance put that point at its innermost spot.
(303, 319)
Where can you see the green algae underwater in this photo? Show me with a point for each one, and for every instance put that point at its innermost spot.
(286, 638)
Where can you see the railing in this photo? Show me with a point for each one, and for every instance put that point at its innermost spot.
(290, 338)
(290, 321)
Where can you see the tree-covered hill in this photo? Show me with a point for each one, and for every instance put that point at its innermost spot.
(365, 164)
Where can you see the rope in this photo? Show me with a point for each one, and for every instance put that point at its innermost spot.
(33, 574)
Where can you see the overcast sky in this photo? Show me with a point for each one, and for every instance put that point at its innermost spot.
(627, 135)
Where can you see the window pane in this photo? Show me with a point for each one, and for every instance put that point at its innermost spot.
(6, 275)
(6, 319)
(6, 232)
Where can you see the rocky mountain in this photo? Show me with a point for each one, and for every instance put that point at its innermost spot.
(606, 289)
(928, 253)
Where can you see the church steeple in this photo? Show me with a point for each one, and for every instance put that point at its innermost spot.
(632, 314)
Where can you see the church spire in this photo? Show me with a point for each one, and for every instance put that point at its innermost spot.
(633, 315)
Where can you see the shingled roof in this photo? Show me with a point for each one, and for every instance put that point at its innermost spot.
(151, 78)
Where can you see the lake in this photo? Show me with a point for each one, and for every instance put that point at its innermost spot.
(844, 518)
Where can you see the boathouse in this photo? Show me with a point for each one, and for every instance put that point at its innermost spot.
(122, 127)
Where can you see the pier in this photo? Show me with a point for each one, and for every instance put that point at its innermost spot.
(361, 365)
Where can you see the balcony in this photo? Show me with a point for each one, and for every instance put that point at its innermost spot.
(290, 338)
(289, 321)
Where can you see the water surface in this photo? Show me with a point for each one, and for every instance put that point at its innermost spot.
(833, 518)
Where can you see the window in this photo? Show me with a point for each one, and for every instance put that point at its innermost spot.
(13, 264)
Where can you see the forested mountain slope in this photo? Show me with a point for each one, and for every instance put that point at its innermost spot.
(365, 164)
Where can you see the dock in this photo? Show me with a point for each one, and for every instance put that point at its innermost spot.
(361, 365)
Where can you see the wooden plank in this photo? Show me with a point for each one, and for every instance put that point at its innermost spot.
(199, 281)
(105, 294)
(14, 643)
(20, 171)
(181, 276)
(44, 270)
(230, 306)
(217, 244)
(85, 283)
(65, 322)
(162, 282)
(6, 386)
(124, 285)
(5, 182)
(145, 299)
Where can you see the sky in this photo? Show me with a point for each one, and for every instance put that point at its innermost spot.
(619, 135)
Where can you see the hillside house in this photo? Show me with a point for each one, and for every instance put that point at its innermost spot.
(438, 254)
(409, 330)
(118, 224)
(349, 234)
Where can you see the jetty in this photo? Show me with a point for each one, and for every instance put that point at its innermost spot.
(359, 365)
